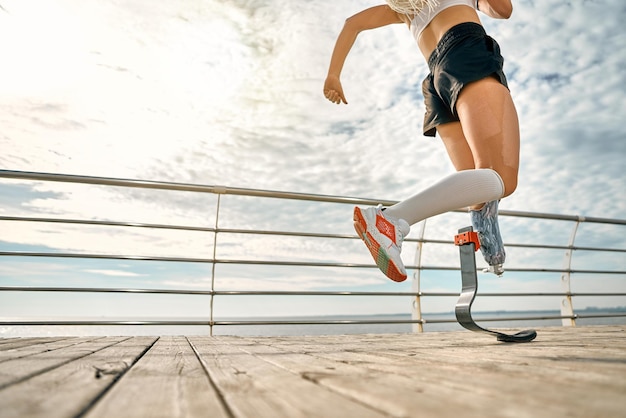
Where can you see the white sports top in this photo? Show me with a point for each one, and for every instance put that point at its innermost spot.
(423, 18)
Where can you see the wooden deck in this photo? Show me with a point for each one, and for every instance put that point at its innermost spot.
(565, 372)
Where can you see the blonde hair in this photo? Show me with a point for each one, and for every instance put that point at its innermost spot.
(411, 7)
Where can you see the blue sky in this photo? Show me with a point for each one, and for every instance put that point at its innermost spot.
(230, 93)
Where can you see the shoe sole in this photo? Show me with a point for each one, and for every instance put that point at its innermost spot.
(380, 255)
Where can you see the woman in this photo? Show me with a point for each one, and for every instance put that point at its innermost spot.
(467, 102)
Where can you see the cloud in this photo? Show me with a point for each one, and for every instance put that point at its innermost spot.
(567, 83)
(230, 93)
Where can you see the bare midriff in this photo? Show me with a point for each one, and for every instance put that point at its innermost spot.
(445, 20)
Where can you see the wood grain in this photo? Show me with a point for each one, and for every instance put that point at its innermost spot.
(569, 372)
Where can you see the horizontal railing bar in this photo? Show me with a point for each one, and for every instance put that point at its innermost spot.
(425, 294)
(205, 323)
(104, 290)
(176, 227)
(202, 292)
(251, 323)
(324, 322)
(185, 228)
(186, 187)
(565, 247)
(478, 318)
(279, 263)
(100, 322)
(108, 181)
(276, 263)
(544, 317)
(183, 259)
(282, 292)
(105, 256)
(450, 319)
(602, 315)
(528, 246)
(536, 246)
(106, 223)
(274, 233)
(525, 294)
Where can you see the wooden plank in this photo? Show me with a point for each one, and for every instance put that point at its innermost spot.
(12, 340)
(475, 370)
(394, 394)
(15, 370)
(253, 387)
(438, 389)
(69, 389)
(167, 382)
(574, 372)
(41, 347)
(16, 343)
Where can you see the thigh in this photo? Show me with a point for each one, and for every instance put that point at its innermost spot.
(491, 128)
(456, 145)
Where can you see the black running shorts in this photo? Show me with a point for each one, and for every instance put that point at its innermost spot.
(464, 54)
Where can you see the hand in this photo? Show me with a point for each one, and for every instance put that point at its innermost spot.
(333, 90)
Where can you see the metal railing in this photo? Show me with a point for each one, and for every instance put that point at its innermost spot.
(568, 315)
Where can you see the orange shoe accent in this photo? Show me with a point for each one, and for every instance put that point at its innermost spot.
(386, 228)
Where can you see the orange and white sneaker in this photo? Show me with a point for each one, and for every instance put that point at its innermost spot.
(383, 237)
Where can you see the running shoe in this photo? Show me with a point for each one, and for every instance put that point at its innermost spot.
(485, 223)
(383, 237)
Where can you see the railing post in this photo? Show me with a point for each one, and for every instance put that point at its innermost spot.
(416, 311)
(567, 307)
(217, 217)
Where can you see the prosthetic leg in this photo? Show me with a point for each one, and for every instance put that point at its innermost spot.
(467, 241)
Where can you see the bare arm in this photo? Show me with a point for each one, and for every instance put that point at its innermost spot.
(498, 9)
(371, 18)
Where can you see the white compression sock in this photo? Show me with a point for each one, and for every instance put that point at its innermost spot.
(457, 191)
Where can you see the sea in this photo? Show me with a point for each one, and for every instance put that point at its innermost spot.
(334, 325)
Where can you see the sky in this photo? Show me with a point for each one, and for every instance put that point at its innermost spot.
(229, 93)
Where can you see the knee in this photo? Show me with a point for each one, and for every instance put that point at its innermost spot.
(508, 177)
(510, 184)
